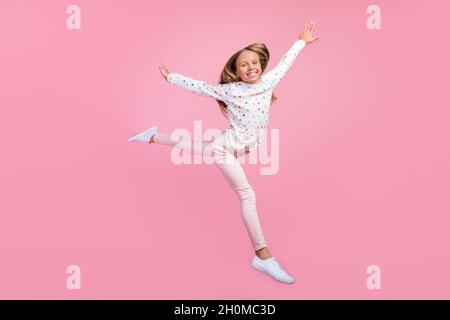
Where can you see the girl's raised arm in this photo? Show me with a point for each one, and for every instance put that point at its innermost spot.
(219, 92)
(280, 70)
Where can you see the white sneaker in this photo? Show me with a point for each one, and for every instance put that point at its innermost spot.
(271, 268)
(144, 136)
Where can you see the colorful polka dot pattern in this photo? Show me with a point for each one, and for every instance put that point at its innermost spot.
(248, 104)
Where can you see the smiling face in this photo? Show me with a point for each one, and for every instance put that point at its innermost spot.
(248, 67)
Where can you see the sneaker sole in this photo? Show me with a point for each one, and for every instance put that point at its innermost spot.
(256, 266)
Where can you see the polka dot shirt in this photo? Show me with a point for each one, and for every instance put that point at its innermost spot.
(248, 104)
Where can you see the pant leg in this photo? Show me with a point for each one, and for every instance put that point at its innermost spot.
(236, 178)
(227, 163)
(199, 147)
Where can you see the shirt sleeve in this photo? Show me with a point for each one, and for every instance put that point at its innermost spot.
(201, 88)
(280, 70)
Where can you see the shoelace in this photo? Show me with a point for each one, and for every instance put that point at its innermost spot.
(276, 265)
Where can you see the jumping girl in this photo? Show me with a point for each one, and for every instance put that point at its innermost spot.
(244, 95)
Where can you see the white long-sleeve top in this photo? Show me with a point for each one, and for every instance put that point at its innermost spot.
(248, 104)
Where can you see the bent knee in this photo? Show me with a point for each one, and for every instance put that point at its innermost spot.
(245, 192)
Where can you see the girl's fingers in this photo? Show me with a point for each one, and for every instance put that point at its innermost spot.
(305, 31)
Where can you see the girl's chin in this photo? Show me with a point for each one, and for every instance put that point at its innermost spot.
(251, 80)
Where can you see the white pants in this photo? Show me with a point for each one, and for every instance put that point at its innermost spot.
(226, 160)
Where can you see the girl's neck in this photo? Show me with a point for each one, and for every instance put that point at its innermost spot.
(252, 83)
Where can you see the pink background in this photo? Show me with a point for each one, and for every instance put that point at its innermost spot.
(364, 162)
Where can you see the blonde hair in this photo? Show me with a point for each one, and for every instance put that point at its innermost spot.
(229, 71)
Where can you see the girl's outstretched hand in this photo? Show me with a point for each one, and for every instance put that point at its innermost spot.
(164, 71)
(307, 33)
